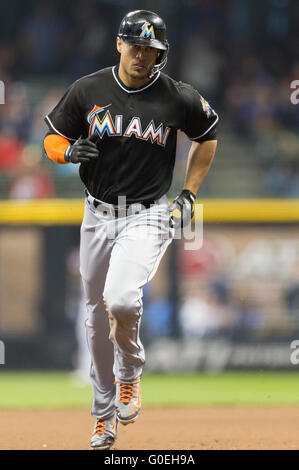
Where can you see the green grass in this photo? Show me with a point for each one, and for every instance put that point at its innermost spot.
(57, 390)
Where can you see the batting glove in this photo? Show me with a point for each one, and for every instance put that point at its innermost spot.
(182, 209)
(83, 150)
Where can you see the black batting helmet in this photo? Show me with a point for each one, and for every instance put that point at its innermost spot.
(146, 28)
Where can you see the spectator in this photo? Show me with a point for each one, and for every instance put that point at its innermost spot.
(31, 180)
(16, 114)
(41, 39)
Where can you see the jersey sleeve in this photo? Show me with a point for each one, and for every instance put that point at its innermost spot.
(199, 119)
(66, 118)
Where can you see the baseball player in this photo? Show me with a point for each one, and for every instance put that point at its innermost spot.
(120, 124)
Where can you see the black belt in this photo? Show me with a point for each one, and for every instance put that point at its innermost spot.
(121, 210)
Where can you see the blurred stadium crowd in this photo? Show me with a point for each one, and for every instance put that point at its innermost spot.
(241, 55)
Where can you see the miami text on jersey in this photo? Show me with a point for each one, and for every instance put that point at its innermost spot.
(114, 127)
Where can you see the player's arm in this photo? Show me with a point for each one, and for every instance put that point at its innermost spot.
(60, 150)
(55, 146)
(63, 143)
(200, 158)
(199, 124)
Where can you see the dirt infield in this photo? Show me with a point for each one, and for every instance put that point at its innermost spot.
(199, 428)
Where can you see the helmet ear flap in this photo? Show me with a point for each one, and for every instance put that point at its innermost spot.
(159, 66)
(160, 62)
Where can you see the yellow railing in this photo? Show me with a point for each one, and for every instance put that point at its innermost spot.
(70, 211)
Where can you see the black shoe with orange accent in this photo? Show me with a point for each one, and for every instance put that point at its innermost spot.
(128, 402)
(105, 432)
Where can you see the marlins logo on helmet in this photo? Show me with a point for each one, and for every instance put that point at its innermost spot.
(147, 31)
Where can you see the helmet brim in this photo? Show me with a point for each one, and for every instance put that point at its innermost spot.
(155, 43)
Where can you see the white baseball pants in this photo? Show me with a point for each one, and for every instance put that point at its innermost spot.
(118, 256)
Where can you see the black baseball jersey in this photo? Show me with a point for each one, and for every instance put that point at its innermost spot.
(137, 129)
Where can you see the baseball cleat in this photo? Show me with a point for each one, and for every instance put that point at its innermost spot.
(128, 402)
(105, 432)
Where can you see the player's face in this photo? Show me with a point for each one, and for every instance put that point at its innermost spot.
(136, 61)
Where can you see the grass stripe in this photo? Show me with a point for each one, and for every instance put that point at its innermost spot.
(58, 390)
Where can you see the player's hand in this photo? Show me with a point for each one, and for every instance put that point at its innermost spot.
(83, 150)
(182, 209)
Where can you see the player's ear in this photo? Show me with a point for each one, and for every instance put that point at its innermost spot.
(119, 44)
(158, 54)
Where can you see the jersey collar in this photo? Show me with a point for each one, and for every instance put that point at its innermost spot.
(132, 90)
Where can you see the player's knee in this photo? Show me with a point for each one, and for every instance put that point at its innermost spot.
(122, 304)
